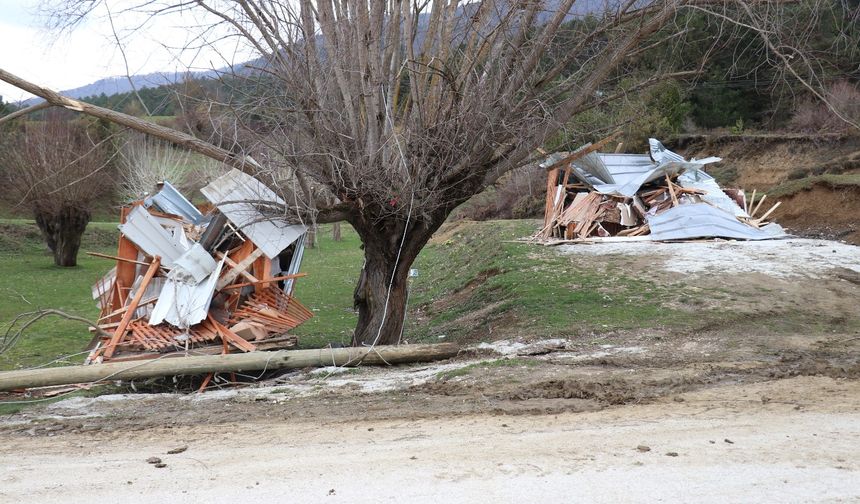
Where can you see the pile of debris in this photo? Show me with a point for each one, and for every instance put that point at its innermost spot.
(203, 284)
(655, 196)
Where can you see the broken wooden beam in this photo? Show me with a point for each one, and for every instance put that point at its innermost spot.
(252, 361)
(132, 306)
(583, 151)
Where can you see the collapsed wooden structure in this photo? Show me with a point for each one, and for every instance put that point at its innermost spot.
(201, 284)
(655, 196)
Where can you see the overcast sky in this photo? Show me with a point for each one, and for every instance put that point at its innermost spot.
(89, 53)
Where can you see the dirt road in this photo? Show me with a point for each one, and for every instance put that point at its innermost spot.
(755, 442)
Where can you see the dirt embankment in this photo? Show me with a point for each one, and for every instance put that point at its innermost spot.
(823, 210)
(816, 177)
(763, 162)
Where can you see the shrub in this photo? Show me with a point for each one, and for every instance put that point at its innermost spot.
(814, 116)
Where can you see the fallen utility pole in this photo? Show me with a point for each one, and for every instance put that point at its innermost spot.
(253, 361)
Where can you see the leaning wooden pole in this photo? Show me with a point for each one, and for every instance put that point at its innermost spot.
(169, 134)
(252, 361)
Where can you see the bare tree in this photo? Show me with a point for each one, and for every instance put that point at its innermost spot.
(388, 114)
(146, 161)
(57, 170)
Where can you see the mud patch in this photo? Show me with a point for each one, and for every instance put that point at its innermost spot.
(479, 279)
(762, 161)
(609, 392)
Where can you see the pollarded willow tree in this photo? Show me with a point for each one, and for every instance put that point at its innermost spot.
(388, 114)
(57, 170)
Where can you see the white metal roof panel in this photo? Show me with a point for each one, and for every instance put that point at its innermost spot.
(253, 208)
(194, 265)
(701, 220)
(144, 231)
(170, 200)
(182, 304)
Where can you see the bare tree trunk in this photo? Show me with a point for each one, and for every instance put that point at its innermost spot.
(377, 323)
(335, 232)
(311, 240)
(62, 231)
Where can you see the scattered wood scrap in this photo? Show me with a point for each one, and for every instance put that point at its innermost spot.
(592, 195)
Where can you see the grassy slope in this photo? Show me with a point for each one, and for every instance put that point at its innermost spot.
(832, 180)
(508, 289)
(472, 285)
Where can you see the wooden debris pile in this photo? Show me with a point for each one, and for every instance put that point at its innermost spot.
(660, 195)
(200, 284)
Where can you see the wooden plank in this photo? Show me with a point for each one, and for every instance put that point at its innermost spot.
(237, 269)
(584, 151)
(125, 309)
(755, 210)
(117, 258)
(262, 269)
(752, 200)
(233, 338)
(672, 191)
(264, 283)
(132, 307)
(125, 270)
(551, 181)
(763, 217)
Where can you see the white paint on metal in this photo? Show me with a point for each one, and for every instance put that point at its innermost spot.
(254, 209)
(146, 232)
(698, 179)
(701, 220)
(193, 266)
(184, 305)
(660, 154)
(170, 200)
(624, 174)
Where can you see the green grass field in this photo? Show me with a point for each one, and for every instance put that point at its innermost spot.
(500, 289)
(518, 289)
(29, 281)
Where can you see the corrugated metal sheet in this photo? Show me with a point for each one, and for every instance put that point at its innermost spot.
(153, 288)
(182, 304)
(628, 173)
(625, 174)
(144, 230)
(194, 265)
(701, 220)
(171, 201)
(295, 263)
(241, 197)
(697, 179)
(593, 169)
(660, 154)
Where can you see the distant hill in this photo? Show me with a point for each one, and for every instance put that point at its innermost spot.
(120, 84)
